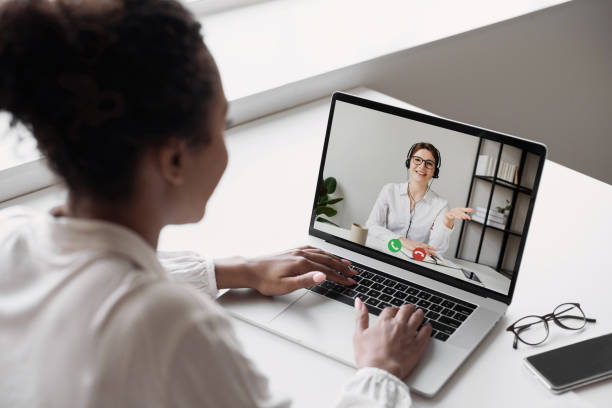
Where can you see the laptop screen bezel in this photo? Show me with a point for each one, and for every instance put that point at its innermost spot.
(527, 145)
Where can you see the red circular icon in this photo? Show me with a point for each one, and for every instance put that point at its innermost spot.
(418, 254)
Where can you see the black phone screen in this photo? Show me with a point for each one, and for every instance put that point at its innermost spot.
(576, 363)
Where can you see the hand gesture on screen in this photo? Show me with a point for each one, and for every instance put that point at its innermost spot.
(457, 214)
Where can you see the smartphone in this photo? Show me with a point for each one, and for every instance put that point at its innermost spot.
(572, 366)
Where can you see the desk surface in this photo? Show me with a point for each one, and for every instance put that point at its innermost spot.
(263, 202)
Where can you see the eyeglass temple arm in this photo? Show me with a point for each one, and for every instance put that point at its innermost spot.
(515, 343)
(586, 319)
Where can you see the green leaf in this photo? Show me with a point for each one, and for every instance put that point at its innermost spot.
(323, 200)
(334, 200)
(330, 212)
(321, 219)
(322, 189)
(330, 185)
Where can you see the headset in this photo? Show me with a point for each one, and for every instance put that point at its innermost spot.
(437, 155)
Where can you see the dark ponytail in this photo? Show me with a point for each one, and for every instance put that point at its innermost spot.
(32, 43)
(99, 82)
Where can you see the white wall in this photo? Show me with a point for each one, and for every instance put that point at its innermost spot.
(545, 76)
(367, 149)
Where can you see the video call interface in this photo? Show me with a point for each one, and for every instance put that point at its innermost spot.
(445, 200)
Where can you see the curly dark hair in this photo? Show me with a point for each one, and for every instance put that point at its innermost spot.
(100, 82)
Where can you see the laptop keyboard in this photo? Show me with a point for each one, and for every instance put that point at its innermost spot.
(379, 290)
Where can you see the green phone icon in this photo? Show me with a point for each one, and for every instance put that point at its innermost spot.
(394, 245)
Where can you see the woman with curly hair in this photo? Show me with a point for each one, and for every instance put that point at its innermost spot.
(126, 103)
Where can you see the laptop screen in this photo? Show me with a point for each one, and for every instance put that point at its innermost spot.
(436, 197)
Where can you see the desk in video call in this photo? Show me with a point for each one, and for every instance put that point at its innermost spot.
(490, 278)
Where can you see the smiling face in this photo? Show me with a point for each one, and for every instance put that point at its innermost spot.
(422, 172)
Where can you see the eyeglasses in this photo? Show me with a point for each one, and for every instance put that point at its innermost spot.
(533, 330)
(418, 160)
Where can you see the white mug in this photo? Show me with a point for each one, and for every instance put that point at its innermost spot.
(359, 234)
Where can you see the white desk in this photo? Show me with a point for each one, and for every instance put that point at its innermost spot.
(263, 203)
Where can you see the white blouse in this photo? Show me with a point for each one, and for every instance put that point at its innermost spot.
(89, 317)
(390, 217)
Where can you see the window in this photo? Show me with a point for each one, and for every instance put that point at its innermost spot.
(17, 146)
(22, 167)
(201, 7)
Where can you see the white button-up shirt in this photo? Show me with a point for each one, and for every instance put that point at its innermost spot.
(89, 317)
(390, 217)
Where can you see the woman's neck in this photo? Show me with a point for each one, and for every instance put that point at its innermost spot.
(133, 214)
(417, 191)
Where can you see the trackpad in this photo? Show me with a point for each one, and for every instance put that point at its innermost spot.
(250, 305)
(323, 324)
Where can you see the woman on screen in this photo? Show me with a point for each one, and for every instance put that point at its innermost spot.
(412, 211)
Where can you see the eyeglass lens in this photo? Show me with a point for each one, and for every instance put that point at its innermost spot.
(570, 316)
(531, 330)
(418, 160)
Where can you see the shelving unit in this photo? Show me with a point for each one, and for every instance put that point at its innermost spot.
(495, 182)
(505, 183)
(505, 230)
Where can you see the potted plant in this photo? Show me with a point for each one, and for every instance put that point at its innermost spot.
(324, 202)
(504, 210)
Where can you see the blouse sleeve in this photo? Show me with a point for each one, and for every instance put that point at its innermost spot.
(440, 233)
(190, 268)
(373, 387)
(377, 221)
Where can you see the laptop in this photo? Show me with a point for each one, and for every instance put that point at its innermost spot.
(362, 184)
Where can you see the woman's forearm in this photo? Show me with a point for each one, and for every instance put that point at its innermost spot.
(233, 272)
(449, 222)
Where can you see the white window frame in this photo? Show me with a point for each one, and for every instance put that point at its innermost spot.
(25, 178)
(205, 7)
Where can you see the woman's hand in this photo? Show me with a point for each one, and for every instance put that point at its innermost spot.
(283, 273)
(456, 214)
(410, 245)
(393, 342)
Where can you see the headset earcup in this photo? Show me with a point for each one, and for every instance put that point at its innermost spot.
(409, 155)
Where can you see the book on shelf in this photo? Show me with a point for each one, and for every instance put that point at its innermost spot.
(487, 165)
(492, 213)
(490, 221)
(507, 172)
(491, 167)
(516, 176)
(482, 165)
